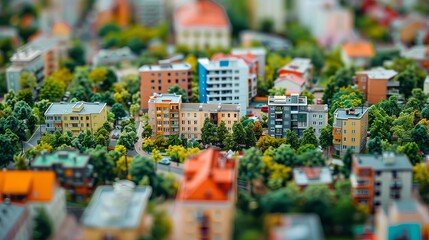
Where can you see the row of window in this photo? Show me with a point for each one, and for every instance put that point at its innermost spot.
(169, 74)
(169, 81)
(351, 147)
(345, 139)
(353, 131)
(353, 123)
(206, 115)
(72, 118)
(75, 125)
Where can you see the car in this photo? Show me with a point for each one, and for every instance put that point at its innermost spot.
(165, 161)
(259, 105)
(264, 109)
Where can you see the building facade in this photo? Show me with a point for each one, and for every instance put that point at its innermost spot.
(72, 170)
(224, 81)
(202, 24)
(350, 129)
(116, 212)
(291, 82)
(274, 12)
(76, 117)
(159, 78)
(292, 112)
(109, 57)
(260, 54)
(377, 84)
(15, 222)
(300, 67)
(163, 113)
(205, 203)
(25, 60)
(377, 181)
(149, 13)
(420, 54)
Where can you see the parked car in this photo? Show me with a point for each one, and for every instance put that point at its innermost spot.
(165, 161)
(264, 108)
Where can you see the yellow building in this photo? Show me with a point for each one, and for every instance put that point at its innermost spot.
(350, 129)
(76, 117)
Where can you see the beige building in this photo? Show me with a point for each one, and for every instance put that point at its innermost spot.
(76, 117)
(273, 10)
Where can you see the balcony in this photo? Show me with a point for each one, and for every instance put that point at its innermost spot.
(396, 185)
(278, 126)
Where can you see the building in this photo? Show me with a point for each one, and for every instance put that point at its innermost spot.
(15, 222)
(205, 203)
(72, 170)
(410, 29)
(293, 112)
(224, 81)
(426, 85)
(404, 219)
(76, 117)
(116, 212)
(300, 67)
(420, 54)
(305, 176)
(350, 129)
(377, 181)
(273, 12)
(163, 114)
(357, 53)
(294, 227)
(260, 54)
(109, 57)
(202, 24)
(271, 42)
(149, 13)
(377, 84)
(291, 82)
(34, 189)
(159, 78)
(25, 60)
(193, 115)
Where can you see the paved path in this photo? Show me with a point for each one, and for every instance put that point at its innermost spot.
(32, 142)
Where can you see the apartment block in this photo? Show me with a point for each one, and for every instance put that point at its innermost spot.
(34, 189)
(163, 113)
(25, 60)
(72, 170)
(193, 115)
(378, 181)
(149, 13)
(377, 84)
(76, 117)
(159, 78)
(350, 129)
(260, 54)
(205, 203)
(116, 212)
(292, 112)
(109, 57)
(224, 81)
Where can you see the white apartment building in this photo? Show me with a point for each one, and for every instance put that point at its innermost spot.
(149, 12)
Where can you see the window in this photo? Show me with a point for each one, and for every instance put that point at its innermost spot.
(345, 139)
(353, 139)
(87, 118)
(353, 124)
(320, 123)
(345, 123)
(177, 80)
(235, 115)
(195, 122)
(363, 79)
(189, 114)
(159, 81)
(361, 192)
(87, 125)
(345, 131)
(353, 131)
(183, 114)
(195, 129)
(65, 118)
(320, 116)
(159, 88)
(394, 174)
(314, 115)
(195, 115)
(363, 87)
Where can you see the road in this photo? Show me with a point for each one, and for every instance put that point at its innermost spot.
(32, 142)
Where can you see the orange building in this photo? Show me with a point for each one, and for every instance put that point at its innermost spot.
(357, 53)
(159, 78)
(163, 114)
(205, 202)
(377, 84)
(112, 11)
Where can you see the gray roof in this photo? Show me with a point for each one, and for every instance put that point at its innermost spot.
(165, 67)
(67, 108)
(10, 215)
(299, 227)
(401, 162)
(121, 209)
(287, 100)
(254, 51)
(379, 73)
(298, 65)
(340, 113)
(416, 52)
(210, 107)
(45, 43)
(312, 175)
(318, 107)
(167, 98)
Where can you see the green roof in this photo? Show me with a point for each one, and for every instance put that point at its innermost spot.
(69, 159)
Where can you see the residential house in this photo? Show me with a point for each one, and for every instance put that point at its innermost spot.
(25, 60)
(269, 41)
(116, 212)
(76, 117)
(420, 54)
(300, 67)
(72, 170)
(15, 222)
(377, 84)
(159, 78)
(291, 82)
(109, 57)
(305, 176)
(357, 53)
(149, 13)
(34, 189)
(225, 81)
(260, 54)
(273, 12)
(293, 112)
(403, 219)
(379, 180)
(205, 203)
(202, 24)
(350, 129)
(163, 114)
(294, 226)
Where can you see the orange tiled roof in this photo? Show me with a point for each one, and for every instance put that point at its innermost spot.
(359, 49)
(39, 186)
(292, 78)
(202, 13)
(248, 58)
(61, 29)
(206, 178)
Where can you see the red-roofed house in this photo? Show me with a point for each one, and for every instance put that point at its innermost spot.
(291, 82)
(204, 207)
(202, 24)
(357, 53)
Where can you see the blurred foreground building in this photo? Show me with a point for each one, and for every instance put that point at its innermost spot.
(15, 222)
(294, 227)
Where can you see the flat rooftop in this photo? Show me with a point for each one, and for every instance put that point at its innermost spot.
(165, 98)
(69, 159)
(25, 54)
(120, 208)
(341, 113)
(312, 175)
(209, 107)
(298, 227)
(287, 100)
(67, 108)
(379, 73)
(416, 52)
(226, 63)
(166, 67)
(300, 65)
(318, 107)
(400, 162)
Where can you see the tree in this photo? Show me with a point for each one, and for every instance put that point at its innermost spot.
(25, 95)
(411, 149)
(10, 147)
(127, 139)
(420, 96)
(147, 131)
(108, 28)
(148, 144)
(27, 80)
(179, 91)
(140, 167)
(22, 110)
(250, 166)
(97, 76)
(173, 140)
(221, 132)
(239, 134)
(257, 129)
(292, 139)
(118, 110)
(326, 137)
(420, 136)
(229, 143)
(347, 161)
(250, 139)
(390, 106)
(42, 225)
(161, 226)
(311, 158)
(267, 141)
(309, 137)
(102, 137)
(208, 132)
(407, 80)
(375, 146)
(421, 176)
(279, 201)
(277, 91)
(76, 54)
(103, 164)
(342, 79)
(402, 127)
(177, 153)
(381, 125)
(310, 97)
(156, 156)
(52, 90)
(317, 199)
(425, 112)
(20, 162)
(285, 155)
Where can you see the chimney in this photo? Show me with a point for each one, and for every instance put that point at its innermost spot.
(388, 158)
(347, 111)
